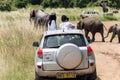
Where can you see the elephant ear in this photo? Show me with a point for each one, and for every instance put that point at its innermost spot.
(80, 25)
(116, 28)
(32, 14)
(113, 28)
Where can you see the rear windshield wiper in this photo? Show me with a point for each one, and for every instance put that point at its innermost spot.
(54, 47)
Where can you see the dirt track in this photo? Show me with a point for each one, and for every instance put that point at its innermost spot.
(107, 56)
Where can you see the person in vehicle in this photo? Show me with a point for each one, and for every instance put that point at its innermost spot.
(65, 23)
(52, 22)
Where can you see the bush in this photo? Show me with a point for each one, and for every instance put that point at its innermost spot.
(5, 6)
(108, 18)
(21, 3)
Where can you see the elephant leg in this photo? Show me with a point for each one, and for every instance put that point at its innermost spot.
(118, 38)
(35, 24)
(40, 23)
(103, 40)
(86, 33)
(112, 37)
(93, 37)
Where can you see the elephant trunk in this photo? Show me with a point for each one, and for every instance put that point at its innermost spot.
(107, 35)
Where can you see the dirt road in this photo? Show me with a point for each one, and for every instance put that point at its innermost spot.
(107, 56)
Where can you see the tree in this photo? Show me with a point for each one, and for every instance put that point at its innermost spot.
(21, 3)
(5, 5)
(114, 3)
(34, 2)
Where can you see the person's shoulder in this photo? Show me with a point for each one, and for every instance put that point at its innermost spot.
(62, 23)
(53, 21)
(70, 23)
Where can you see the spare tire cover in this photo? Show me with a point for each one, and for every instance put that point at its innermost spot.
(69, 56)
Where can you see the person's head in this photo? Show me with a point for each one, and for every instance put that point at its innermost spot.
(64, 18)
(52, 17)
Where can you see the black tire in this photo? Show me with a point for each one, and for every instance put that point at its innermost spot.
(37, 77)
(92, 76)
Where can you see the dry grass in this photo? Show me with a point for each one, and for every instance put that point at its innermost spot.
(17, 53)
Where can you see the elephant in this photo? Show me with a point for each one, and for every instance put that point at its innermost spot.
(39, 17)
(93, 25)
(105, 9)
(104, 5)
(115, 29)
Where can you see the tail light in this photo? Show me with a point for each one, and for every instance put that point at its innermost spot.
(89, 49)
(39, 67)
(91, 64)
(40, 53)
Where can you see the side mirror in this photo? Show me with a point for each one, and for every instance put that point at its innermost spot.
(35, 44)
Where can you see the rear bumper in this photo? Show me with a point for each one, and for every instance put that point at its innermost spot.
(82, 72)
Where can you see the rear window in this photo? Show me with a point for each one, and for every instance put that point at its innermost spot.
(55, 41)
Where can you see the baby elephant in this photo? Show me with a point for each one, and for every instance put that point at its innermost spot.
(116, 31)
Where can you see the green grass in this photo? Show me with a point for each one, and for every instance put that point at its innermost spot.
(108, 18)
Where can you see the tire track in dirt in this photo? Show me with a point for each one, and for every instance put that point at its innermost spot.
(115, 56)
(107, 60)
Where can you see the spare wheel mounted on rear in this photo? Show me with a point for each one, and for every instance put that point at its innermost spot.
(69, 56)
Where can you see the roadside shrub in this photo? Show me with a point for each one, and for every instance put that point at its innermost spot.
(108, 18)
(5, 6)
(21, 3)
(74, 18)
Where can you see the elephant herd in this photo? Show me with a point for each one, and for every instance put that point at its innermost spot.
(94, 25)
(88, 24)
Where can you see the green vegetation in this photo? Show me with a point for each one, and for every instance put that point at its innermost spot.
(9, 5)
(106, 18)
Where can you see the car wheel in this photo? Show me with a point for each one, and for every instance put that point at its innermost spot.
(92, 76)
(69, 56)
(37, 77)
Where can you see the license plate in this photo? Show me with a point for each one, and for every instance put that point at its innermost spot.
(66, 75)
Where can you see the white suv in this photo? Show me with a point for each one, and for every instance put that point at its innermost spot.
(64, 54)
